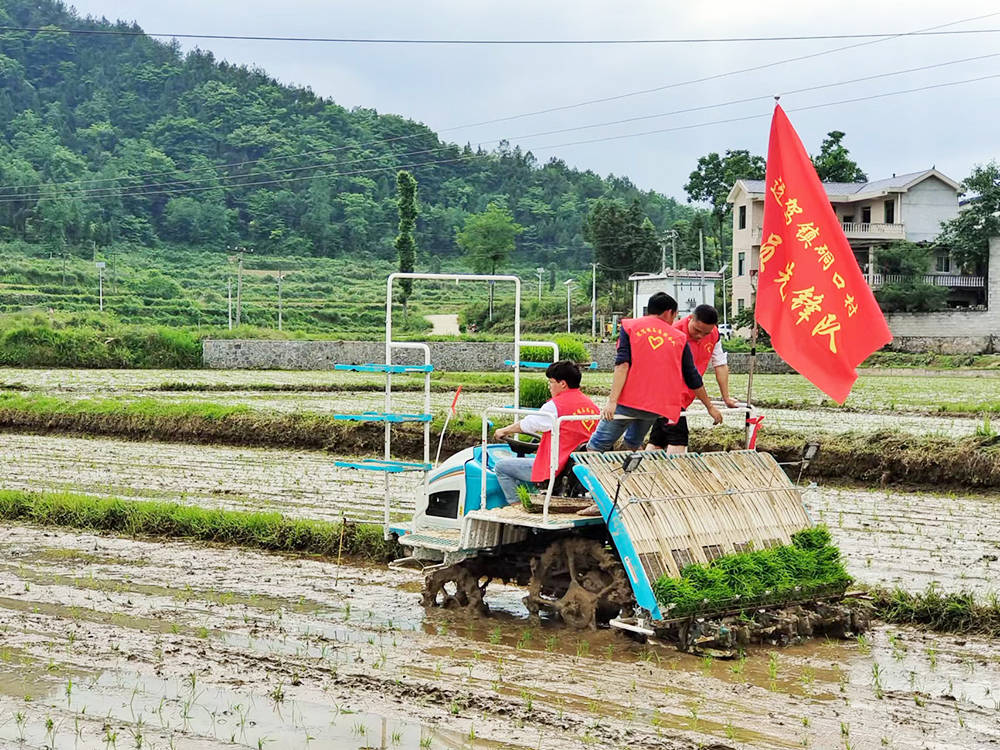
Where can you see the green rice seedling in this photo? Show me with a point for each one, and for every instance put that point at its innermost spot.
(495, 635)
(524, 496)
(877, 680)
(525, 638)
(737, 666)
(811, 564)
(550, 644)
(425, 743)
(582, 648)
(528, 699)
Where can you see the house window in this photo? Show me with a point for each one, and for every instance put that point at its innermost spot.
(740, 304)
(848, 219)
(741, 261)
(866, 215)
(943, 264)
(890, 212)
(743, 217)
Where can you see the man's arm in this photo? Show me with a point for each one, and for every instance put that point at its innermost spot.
(533, 423)
(617, 384)
(693, 380)
(623, 361)
(722, 377)
(720, 361)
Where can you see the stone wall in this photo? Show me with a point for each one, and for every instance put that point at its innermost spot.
(954, 331)
(455, 356)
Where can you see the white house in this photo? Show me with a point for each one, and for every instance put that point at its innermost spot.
(689, 288)
(903, 207)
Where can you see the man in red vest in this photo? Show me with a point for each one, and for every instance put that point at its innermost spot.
(567, 399)
(654, 369)
(702, 333)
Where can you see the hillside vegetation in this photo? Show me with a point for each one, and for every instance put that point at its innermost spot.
(123, 139)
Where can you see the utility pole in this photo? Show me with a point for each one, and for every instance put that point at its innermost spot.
(673, 246)
(279, 300)
(569, 286)
(239, 289)
(593, 301)
(701, 253)
(100, 284)
(725, 306)
(540, 272)
(229, 291)
(239, 281)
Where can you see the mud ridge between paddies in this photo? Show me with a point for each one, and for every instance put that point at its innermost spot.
(881, 457)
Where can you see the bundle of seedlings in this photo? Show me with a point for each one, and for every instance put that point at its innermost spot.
(809, 567)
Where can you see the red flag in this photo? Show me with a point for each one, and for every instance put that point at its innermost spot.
(811, 296)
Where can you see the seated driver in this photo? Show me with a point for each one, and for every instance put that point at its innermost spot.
(567, 399)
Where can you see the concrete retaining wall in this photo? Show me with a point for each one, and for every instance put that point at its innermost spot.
(455, 356)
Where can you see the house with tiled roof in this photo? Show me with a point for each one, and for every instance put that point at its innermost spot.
(902, 207)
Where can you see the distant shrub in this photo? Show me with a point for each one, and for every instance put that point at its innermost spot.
(534, 392)
(569, 348)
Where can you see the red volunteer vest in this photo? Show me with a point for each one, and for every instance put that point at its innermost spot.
(701, 351)
(571, 434)
(655, 382)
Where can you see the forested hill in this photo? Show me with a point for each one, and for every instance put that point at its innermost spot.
(110, 138)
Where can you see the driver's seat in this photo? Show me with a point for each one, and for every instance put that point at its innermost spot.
(567, 483)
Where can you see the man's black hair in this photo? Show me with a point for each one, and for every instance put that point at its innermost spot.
(566, 370)
(660, 303)
(707, 314)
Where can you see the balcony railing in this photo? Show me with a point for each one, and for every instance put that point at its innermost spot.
(941, 279)
(855, 230)
(866, 231)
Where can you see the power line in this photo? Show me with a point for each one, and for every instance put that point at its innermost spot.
(518, 116)
(43, 190)
(727, 74)
(480, 42)
(603, 139)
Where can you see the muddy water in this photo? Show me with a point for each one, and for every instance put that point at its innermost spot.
(915, 391)
(797, 420)
(890, 538)
(913, 540)
(298, 483)
(207, 648)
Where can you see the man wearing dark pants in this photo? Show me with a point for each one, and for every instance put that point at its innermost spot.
(702, 333)
(654, 367)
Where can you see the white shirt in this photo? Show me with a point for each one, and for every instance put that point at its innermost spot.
(719, 356)
(537, 423)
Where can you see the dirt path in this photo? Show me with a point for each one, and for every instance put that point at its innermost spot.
(207, 648)
(443, 325)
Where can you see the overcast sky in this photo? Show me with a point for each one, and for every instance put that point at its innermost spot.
(446, 87)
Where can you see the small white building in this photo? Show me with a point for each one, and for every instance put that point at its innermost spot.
(689, 288)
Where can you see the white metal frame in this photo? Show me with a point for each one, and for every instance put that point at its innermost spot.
(390, 345)
(554, 449)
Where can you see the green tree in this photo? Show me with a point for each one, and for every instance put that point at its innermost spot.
(907, 292)
(624, 241)
(834, 163)
(488, 238)
(714, 178)
(406, 248)
(968, 234)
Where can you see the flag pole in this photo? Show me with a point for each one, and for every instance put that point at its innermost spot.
(753, 346)
(753, 358)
